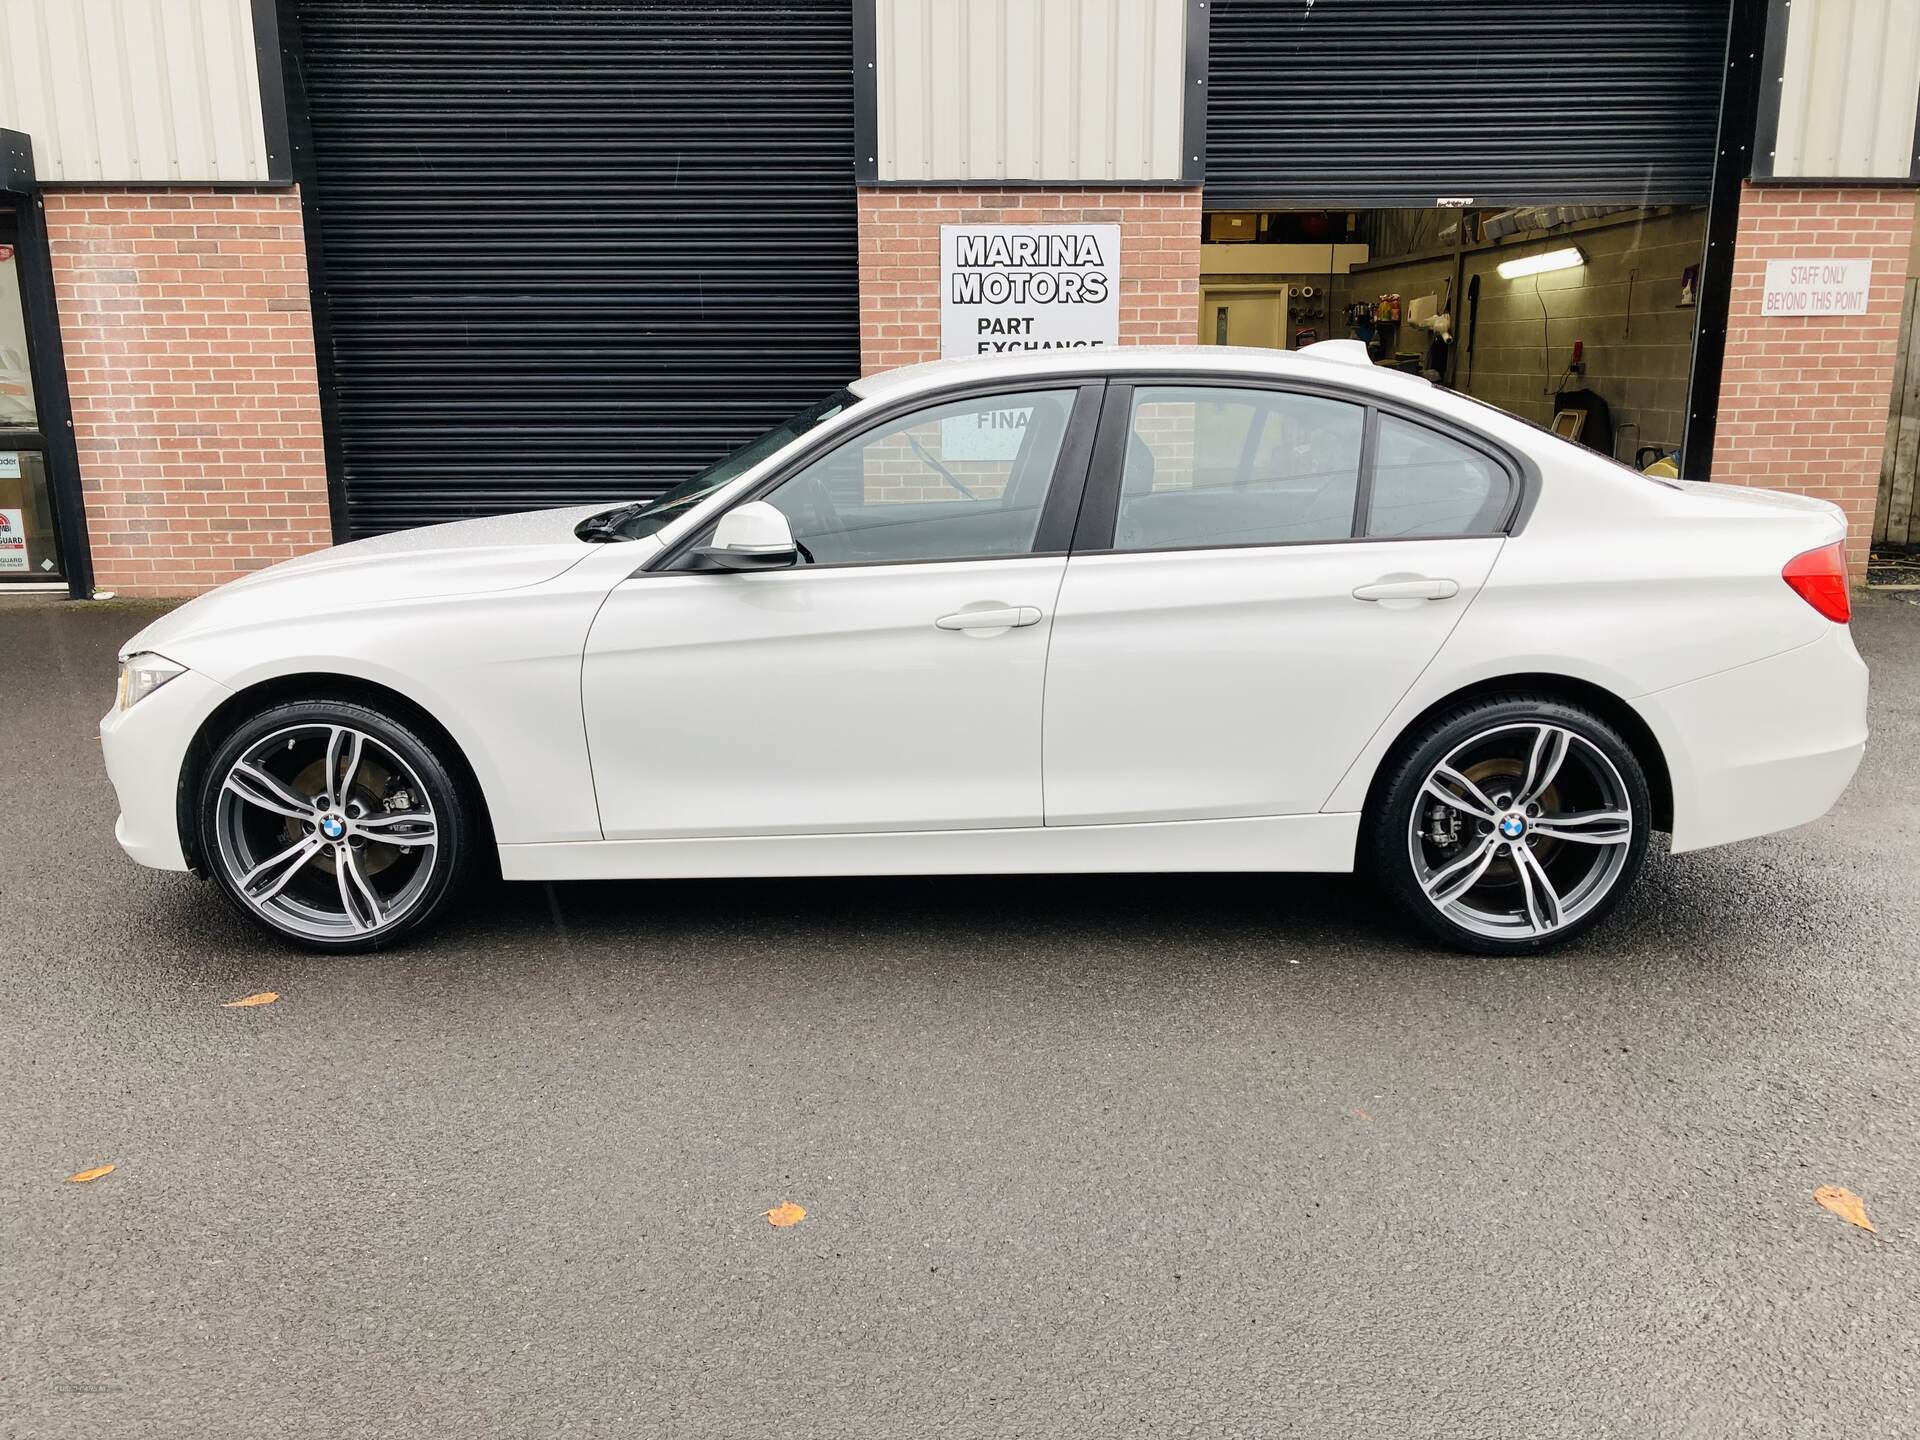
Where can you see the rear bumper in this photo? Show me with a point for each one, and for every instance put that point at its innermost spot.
(145, 748)
(1762, 747)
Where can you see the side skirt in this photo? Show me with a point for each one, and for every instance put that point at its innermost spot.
(1286, 842)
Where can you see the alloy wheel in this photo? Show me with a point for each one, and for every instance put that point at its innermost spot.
(326, 831)
(1520, 830)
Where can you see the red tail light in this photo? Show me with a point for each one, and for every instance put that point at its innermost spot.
(1819, 577)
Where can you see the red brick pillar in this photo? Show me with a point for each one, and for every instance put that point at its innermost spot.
(196, 409)
(900, 259)
(1803, 399)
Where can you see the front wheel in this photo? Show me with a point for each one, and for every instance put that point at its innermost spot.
(334, 825)
(1510, 825)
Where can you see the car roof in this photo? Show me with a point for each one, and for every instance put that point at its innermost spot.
(1342, 362)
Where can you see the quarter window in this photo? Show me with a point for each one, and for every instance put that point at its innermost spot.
(1213, 466)
(1427, 484)
(963, 480)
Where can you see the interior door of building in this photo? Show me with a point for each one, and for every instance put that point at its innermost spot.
(1244, 317)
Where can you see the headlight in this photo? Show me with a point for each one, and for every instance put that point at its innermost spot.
(141, 675)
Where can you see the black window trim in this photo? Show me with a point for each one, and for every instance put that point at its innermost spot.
(1065, 488)
(1100, 507)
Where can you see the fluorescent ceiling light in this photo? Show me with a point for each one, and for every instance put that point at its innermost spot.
(1539, 264)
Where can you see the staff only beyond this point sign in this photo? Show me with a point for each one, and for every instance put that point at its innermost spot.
(1010, 289)
(1817, 287)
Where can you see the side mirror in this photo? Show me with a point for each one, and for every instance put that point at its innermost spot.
(754, 536)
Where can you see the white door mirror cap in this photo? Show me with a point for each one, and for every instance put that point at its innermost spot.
(755, 528)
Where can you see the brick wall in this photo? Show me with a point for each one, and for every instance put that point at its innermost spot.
(190, 362)
(900, 259)
(1803, 399)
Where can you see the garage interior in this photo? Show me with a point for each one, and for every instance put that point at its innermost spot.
(1579, 317)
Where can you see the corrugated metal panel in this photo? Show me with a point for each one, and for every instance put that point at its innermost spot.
(1503, 102)
(573, 252)
(1849, 90)
(985, 90)
(124, 90)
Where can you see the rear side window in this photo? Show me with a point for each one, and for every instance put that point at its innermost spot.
(1213, 466)
(1425, 483)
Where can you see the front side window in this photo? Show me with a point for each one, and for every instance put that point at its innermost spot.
(656, 514)
(1427, 484)
(963, 480)
(1213, 466)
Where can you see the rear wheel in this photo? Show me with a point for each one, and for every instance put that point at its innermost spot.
(334, 825)
(1511, 825)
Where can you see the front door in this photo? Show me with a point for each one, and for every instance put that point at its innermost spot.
(1279, 569)
(893, 679)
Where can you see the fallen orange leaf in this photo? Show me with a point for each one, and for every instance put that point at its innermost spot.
(264, 997)
(1844, 1203)
(786, 1213)
(85, 1175)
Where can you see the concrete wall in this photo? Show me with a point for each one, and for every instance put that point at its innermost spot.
(1623, 303)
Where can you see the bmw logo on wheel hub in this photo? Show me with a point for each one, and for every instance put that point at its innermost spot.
(333, 827)
(1513, 826)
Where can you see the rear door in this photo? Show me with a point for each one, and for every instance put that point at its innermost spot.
(1259, 576)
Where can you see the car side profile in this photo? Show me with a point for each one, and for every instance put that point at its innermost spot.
(1185, 609)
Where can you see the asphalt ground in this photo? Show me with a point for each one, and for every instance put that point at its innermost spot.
(1212, 1156)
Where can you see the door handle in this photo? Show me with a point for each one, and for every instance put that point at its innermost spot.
(1420, 588)
(1001, 617)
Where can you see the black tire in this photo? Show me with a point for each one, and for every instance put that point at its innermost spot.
(402, 785)
(1503, 910)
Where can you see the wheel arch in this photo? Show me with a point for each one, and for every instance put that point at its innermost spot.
(233, 711)
(1601, 701)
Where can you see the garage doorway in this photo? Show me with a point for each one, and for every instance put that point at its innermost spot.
(1574, 316)
(568, 254)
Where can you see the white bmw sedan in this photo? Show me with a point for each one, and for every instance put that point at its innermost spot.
(1116, 610)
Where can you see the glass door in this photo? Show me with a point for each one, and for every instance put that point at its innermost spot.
(28, 548)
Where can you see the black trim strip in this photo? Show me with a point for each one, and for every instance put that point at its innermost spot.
(1193, 125)
(1000, 182)
(47, 364)
(1843, 182)
(273, 91)
(1733, 162)
(866, 92)
(1913, 170)
(1100, 507)
(305, 172)
(1068, 483)
(1771, 82)
(1363, 491)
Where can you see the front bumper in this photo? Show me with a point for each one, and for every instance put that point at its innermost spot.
(1762, 747)
(145, 749)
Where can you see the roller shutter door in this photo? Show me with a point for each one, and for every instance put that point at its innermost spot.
(1503, 102)
(570, 252)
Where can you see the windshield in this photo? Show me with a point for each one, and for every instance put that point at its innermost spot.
(661, 511)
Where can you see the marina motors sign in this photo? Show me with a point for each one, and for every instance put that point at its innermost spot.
(1005, 289)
